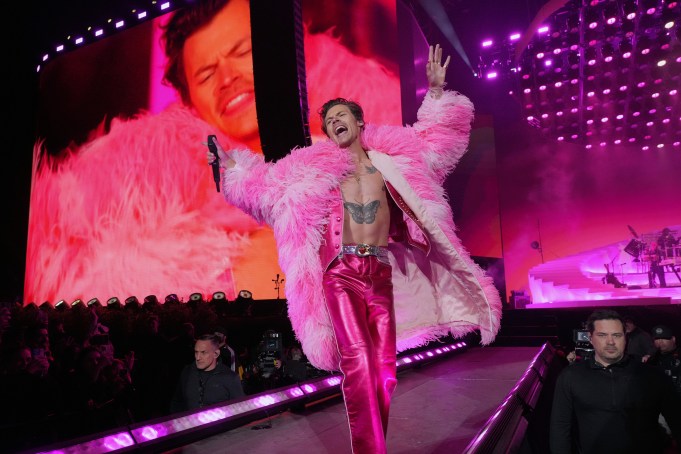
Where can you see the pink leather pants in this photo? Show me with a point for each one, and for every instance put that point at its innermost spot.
(359, 296)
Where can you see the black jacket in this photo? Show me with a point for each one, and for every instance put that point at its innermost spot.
(612, 409)
(197, 388)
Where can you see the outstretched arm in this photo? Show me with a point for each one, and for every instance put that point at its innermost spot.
(246, 182)
(444, 118)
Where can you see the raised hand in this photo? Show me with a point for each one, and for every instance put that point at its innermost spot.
(435, 70)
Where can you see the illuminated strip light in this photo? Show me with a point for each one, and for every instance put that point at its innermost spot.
(243, 411)
(165, 5)
(142, 15)
(120, 24)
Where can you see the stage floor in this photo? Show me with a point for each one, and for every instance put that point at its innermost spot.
(437, 408)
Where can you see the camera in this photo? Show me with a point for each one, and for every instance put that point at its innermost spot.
(583, 347)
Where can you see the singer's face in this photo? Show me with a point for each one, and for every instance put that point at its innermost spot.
(342, 126)
(219, 69)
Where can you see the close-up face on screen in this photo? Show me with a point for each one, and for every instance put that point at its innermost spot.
(122, 200)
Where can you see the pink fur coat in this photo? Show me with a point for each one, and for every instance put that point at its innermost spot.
(444, 292)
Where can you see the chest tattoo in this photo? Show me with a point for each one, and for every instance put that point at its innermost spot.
(363, 213)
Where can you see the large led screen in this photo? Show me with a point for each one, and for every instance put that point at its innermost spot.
(122, 200)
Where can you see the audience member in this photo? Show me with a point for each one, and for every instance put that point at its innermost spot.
(227, 353)
(639, 342)
(611, 402)
(668, 355)
(208, 380)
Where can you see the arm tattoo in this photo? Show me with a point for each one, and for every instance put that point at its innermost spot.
(363, 213)
(371, 169)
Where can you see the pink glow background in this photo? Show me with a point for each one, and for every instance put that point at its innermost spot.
(582, 199)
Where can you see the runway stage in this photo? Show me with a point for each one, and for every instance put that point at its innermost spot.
(437, 408)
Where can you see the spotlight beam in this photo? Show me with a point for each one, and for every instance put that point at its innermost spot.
(438, 14)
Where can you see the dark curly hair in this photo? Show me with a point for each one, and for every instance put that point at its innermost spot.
(180, 27)
(355, 109)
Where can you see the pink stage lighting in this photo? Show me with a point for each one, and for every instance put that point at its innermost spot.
(543, 29)
(514, 37)
(487, 43)
(492, 75)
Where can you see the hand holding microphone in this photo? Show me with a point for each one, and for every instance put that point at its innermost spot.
(217, 158)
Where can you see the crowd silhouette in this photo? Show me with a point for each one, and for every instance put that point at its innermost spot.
(71, 370)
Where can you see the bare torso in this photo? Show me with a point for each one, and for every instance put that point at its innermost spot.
(367, 215)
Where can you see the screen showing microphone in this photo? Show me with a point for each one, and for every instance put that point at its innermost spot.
(216, 163)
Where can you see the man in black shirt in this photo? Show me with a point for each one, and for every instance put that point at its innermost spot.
(207, 381)
(610, 402)
(668, 356)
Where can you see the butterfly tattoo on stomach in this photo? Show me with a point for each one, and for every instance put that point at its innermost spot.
(363, 213)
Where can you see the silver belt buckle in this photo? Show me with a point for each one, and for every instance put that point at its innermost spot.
(363, 250)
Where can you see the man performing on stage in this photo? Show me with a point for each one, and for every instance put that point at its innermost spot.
(366, 238)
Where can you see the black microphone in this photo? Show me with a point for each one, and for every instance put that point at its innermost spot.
(216, 162)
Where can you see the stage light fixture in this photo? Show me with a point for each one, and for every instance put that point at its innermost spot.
(171, 299)
(196, 297)
(245, 294)
(218, 296)
(611, 13)
(131, 300)
(76, 302)
(93, 302)
(113, 302)
(151, 299)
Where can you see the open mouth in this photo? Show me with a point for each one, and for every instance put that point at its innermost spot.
(238, 103)
(340, 129)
